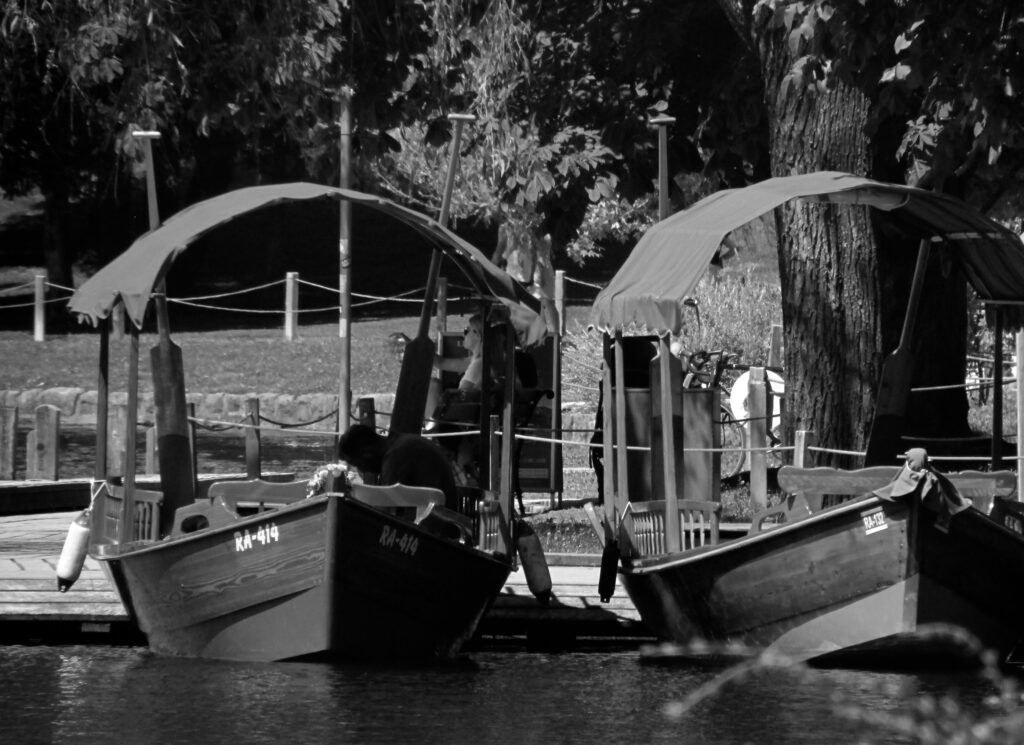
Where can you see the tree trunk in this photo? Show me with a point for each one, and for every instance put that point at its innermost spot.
(845, 280)
(827, 261)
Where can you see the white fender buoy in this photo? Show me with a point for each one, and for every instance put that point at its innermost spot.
(72, 556)
(535, 566)
(738, 398)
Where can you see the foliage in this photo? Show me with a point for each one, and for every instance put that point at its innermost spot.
(945, 73)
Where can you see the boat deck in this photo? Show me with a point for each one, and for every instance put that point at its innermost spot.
(33, 611)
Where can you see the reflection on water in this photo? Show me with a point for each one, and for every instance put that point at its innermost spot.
(97, 694)
(218, 452)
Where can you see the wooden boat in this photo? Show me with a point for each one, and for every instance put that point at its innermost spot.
(858, 566)
(253, 570)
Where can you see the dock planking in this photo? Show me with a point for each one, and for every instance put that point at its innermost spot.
(32, 610)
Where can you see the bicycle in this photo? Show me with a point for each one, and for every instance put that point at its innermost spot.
(733, 409)
(733, 434)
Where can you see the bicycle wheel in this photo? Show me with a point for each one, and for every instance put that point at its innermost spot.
(734, 443)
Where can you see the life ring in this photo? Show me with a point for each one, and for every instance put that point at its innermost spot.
(738, 397)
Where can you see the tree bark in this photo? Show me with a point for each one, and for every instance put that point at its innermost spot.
(827, 260)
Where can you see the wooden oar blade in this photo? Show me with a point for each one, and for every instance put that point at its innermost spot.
(413, 386)
(884, 444)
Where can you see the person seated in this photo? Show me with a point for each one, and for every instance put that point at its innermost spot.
(404, 458)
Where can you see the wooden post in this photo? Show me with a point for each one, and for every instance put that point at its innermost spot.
(803, 441)
(8, 438)
(560, 300)
(117, 322)
(126, 526)
(757, 409)
(152, 458)
(494, 466)
(997, 393)
(117, 434)
(621, 442)
(100, 467)
(366, 411)
(291, 301)
(46, 450)
(673, 540)
(775, 347)
(508, 429)
(608, 434)
(441, 311)
(253, 465)
(1020, 415)
(39, 307)
(190, 411)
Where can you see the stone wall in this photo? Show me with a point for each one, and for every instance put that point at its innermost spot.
(77, 406)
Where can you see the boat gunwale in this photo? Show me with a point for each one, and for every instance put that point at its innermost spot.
(654, 564)
(137, 548)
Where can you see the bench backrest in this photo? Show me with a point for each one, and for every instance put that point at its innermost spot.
(644, 525)
(826, 487)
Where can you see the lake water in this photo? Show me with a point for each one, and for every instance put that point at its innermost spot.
(83, 694)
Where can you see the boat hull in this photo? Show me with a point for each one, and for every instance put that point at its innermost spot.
(327, 576)
(867, 577)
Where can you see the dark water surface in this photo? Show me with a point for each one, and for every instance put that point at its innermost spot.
(79, 694)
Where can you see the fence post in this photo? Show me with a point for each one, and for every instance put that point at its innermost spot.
(757, 412)
(253, 467)
(152, 462)
(8, 436)
(291, 297)
(775, 347)
(39, 307)
(366, 411)
(46, 444)
(560, 299)
(803, 441)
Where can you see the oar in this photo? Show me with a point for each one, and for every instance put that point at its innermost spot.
(177, 482)
(894, 388)
(418, 359)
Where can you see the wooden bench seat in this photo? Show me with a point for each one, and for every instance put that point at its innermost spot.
(643, 525)
(810, 490)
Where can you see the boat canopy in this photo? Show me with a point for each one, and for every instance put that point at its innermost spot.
(670, 258)
(132, 276)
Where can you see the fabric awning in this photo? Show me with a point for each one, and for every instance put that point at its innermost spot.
(671, 257)
(132, 276)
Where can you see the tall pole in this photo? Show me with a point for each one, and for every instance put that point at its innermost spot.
(177, 476)
(662, 123)
(345, 260)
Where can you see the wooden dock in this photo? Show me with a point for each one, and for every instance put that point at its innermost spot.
(33, 611)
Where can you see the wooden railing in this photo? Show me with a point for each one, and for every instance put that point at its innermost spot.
(644, 526)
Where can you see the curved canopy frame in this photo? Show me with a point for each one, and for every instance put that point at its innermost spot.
(670, 258)
(132, 276)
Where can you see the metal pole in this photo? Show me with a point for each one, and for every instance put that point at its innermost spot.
(662, 122)
(345, 262)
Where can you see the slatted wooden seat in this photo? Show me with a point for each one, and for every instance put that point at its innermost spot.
(827, 487)
(644, 525)
(145, 514)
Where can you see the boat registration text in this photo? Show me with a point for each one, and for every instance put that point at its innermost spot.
(262, 536)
